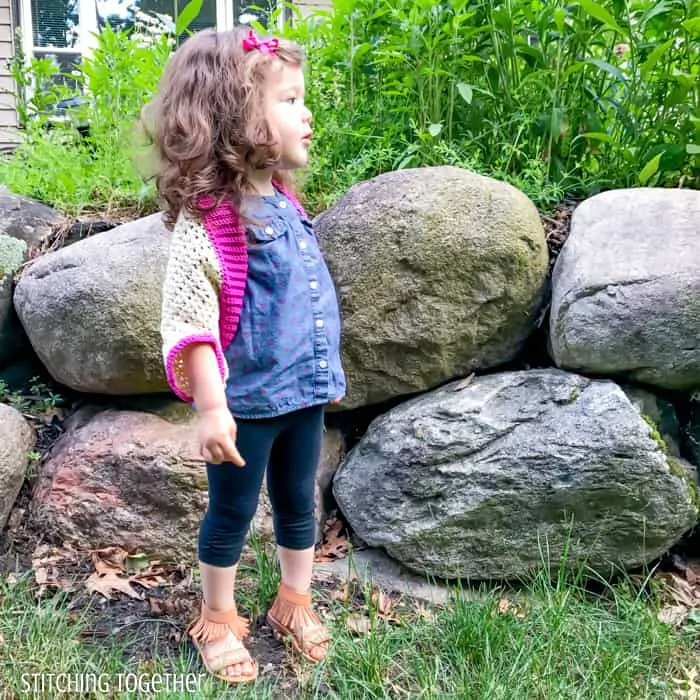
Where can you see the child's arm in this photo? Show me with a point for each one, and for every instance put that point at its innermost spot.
(217, 431)
(190, 307)
(194, 362)
(202, 372)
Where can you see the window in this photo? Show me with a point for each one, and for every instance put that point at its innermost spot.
(55, 23)
(261, 10)
(123, 13)
(58, 29)
(66, 29)
(222, 14)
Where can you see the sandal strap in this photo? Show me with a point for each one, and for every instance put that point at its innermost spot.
(316, 635)
(230, 657)
(294, 597)
(293, 610)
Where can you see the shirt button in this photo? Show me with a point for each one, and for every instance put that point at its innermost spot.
(313, 284)
(302, 245)
(269, 230)
(283, 204)
(319, 323)
(323, 364)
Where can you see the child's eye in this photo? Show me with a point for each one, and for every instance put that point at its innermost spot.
(292, 100)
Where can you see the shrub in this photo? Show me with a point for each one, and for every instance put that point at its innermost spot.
(557, 98)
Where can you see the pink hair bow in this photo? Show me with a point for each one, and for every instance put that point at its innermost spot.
(252, 42)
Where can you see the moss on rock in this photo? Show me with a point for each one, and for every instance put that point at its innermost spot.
(674, 465)
(12, 252)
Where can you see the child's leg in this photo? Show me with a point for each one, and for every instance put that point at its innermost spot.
(233, 499)
(291, 485)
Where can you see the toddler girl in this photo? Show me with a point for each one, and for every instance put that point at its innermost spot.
(250, 320)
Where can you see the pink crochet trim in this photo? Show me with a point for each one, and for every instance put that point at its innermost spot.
(173, 362)
(227, 236)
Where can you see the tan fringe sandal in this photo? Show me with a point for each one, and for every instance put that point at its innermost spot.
(292, 611)
(212, 625)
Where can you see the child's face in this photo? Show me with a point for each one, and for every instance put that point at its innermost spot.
(287, 114)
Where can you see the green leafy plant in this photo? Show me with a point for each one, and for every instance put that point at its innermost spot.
(76, 171)
(552, 96)
(38, 400)
(560, 99)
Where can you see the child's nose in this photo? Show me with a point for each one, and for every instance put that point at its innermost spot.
(308, 117)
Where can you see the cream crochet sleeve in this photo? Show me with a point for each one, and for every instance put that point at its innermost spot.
(190, 307)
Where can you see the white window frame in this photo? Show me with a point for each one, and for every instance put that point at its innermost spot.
(87, 31)
(225, 18)
(88, 27)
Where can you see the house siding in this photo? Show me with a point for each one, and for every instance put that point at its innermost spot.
(8, 112)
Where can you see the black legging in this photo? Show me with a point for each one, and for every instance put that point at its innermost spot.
(289, 447)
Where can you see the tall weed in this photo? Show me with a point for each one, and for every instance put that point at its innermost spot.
(556, 97)
(559, 98)
(75, 171)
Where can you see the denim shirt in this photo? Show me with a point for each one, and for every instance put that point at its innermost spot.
(286, 352)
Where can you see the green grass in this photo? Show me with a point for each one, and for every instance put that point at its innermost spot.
(558, 642)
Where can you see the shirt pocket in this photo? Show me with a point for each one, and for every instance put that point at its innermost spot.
(269, 257)
(265, 233)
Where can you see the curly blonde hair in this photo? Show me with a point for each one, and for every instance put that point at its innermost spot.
(206, 124)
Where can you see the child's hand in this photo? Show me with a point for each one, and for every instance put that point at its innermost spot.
(217, 437)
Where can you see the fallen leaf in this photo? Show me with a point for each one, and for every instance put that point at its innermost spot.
(334, 546)
(147, 581)
(41, 576)
(47, 417)
(341, 593)
(358, 624)
(692, 573)
(505, 607)
(673, 615)
(45, 554)
(424, 612)
(690, 688)
(680, 590)
(332, 528)
(150, 580)
(107, 583)
(161, 606)
(383, 602)
(109, 560)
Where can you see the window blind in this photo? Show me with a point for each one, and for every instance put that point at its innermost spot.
(55, 23)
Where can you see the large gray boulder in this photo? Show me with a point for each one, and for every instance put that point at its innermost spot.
(626, 288)
(12, 255)
(26, 219)
(499, 477)
(439, 272)
(17, 440)
(92, 310)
